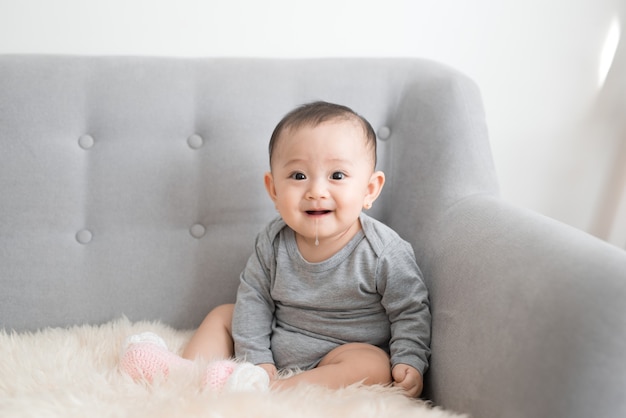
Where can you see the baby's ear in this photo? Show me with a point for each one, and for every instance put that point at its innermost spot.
(374, 187)
(269, 185)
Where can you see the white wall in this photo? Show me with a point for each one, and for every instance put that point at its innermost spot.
(536, 61)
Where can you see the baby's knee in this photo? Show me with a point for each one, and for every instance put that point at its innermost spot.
(377, 363)
(221, 315)
(223, 311)
(366, 360)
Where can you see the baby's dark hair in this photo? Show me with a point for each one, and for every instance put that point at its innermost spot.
(316, 113)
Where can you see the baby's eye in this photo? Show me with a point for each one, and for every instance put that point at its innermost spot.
(338, 175)
(298, 176)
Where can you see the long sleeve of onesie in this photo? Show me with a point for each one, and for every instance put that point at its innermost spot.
(405, 299)
(254, 309)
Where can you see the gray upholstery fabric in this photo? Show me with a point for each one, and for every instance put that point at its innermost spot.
(133, 186)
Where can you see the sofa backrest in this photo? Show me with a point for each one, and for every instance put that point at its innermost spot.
(134, 186)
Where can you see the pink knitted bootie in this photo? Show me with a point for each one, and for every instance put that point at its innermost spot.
(247, 378)
(145, 357)
(231, 376)
(217, 373)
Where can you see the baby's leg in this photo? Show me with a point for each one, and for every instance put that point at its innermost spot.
(145, 356)
(213, 339)
(345, 365)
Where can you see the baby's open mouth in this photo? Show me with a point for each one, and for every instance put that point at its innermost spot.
(318, 212)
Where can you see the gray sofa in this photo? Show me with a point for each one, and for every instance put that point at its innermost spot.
(133, 186)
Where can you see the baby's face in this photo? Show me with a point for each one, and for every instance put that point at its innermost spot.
(321, 179)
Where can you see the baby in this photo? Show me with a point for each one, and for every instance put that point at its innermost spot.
(328, 290)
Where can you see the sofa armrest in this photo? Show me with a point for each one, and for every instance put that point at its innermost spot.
(529, 315)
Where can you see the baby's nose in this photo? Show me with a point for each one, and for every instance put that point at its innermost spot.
(317, 190)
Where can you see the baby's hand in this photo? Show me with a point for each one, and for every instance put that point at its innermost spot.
(408, 378)
(270, 369)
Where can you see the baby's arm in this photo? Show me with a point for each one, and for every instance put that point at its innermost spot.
(405, 299)
(408, 378)
(254, 310)
(252, 325)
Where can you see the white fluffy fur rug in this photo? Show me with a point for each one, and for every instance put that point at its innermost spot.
(73, 373)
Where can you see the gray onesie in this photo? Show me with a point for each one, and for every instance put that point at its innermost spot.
(291, 313)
